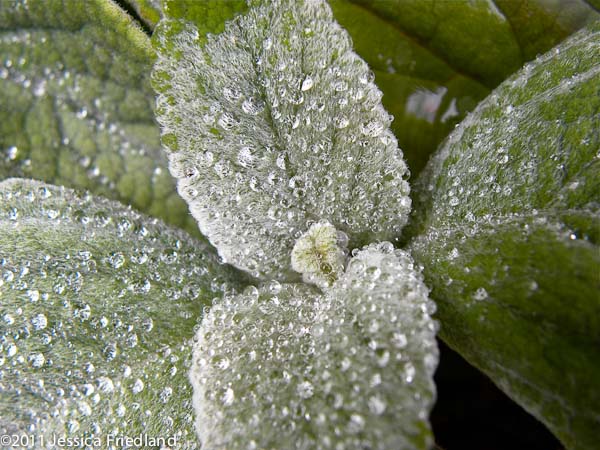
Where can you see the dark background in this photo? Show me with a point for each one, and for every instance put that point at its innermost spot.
(472, 413)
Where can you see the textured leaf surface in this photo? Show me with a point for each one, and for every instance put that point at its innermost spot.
(320, 254)
(435, 60)
(76, 106)
(292, 133)
(149, 11)
(97, 307)
(208, 15)
(288, 367)
(508, 217)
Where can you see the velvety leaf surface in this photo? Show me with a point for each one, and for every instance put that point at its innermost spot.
(508, 220)
(435, 60)
(288, 367)
(292, 133)
(76, 106)
(149, 11)
(209, 16)
(97, 307)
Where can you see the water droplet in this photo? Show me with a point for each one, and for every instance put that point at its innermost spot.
(147, 324)
(138, 386)
(340, 122)
(87, 389)
(357, 423)
(105, 385)
(307, 83)
(480, 294)
(166, 394)
(227, 121)
(409, 373)
(12, 153)
(231, 93)
(11, 350)
(52, 214)
(39, 322)
(110, 351)
(221, 362)
(228, 397)
(376, 405)
(373, 128)
(246, 156)
(280, 162)
(253, 106)
(116, 260)
(305, 389)
(37, 360)
(454, 254)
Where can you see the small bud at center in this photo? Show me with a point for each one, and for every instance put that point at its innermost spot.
(320, 254)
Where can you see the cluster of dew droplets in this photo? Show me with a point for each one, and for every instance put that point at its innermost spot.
(75, 132)
(292, 132)
(97, 306)
(515, 151)
(528, 149)
(286, 366)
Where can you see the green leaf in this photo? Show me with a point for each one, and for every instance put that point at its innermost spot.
(508, 220)
(292, 133)
(209, 16)
(76, 106)
(434, 61)
(97, 307)
(288, 367)
(594, 4)
(149, 11)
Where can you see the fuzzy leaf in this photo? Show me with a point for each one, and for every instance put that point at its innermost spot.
(97, 306)
(288, 367)
(320, 254)
(507, 221)
(76, 106)
(292, 133)
(149, 11)
(209, 16)
(435, 60)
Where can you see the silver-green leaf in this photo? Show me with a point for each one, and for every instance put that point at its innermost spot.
(273, 124)
(508, 232)
(97, 307)
(286, 366)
